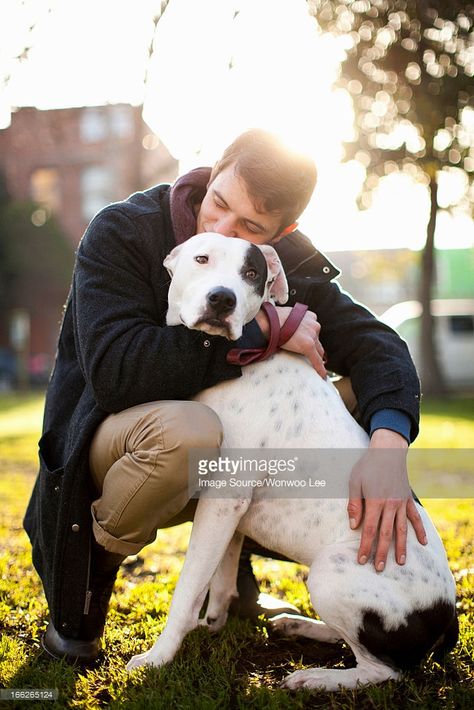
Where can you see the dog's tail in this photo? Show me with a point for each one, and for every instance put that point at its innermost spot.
(429, 630)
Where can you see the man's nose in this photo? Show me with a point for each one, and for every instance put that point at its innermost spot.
(226, 226)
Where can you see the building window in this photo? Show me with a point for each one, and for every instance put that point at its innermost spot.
(96, 190)
(121, 121)
(44, 188)
(93, 125)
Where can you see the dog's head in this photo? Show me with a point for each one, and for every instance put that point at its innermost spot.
(219, 283)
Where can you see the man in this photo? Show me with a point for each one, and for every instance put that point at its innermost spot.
(118, 417)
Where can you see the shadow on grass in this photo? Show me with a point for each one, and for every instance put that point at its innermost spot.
(237, 668)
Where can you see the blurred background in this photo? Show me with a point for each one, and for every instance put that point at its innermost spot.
(101, 99)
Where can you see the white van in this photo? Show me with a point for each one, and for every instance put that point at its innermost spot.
(454, 335)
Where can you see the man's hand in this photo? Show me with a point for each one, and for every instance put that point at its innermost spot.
(304, 341)
(381, 479)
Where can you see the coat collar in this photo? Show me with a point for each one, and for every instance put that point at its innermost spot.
(301, 258)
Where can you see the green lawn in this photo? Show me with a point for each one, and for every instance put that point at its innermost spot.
(240, 667)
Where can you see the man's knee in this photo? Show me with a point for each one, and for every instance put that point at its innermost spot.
(173, 426)
(195, 425)
(147, 482)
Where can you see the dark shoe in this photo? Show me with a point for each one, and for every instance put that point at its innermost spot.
(84, 650)
(251, 602)
(71, 650)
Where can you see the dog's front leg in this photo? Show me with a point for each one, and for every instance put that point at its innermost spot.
(214, 525)
(223, 586)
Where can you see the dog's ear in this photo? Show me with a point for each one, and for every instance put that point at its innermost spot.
(277, 285)
(170, 261)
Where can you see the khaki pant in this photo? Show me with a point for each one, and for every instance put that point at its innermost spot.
(139, 464)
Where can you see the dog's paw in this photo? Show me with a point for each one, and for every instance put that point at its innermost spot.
(142, 659)
(311, 679)
(287, 624)
(157, 656)
(334, 679)
(214, 623)
(314, 679)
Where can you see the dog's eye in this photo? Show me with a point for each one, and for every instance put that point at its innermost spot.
(201, 259)
(251, 274)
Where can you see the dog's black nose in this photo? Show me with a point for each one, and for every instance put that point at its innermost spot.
(221, 300)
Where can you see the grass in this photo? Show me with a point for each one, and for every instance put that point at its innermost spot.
(240, 667)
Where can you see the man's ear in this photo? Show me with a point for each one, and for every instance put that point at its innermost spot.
(171, 260)
(288, 230)
(277, 285)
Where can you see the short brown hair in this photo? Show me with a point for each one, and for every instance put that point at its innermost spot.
(278, 179)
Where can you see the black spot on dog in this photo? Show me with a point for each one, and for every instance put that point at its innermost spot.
(406, 646)
(255, 261)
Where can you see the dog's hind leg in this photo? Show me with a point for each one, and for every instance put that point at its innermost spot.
(339, 589)
(223, 586)
(290, 625)
(215, 523)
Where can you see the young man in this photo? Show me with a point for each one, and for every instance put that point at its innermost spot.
(118, 418)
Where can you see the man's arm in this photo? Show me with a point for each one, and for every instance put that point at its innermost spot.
(376, 359)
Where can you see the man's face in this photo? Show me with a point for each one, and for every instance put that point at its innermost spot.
(228, 209)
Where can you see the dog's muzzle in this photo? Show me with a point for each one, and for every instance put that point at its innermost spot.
(220, 304)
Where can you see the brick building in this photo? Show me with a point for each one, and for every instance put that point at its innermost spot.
(71, 163)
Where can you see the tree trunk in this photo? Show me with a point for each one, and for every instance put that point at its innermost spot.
(432, 380)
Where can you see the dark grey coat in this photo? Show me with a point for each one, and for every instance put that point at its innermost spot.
(115, 351)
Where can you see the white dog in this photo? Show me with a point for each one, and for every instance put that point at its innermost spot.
(391, 619)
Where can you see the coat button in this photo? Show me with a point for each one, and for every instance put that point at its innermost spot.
(293, 292)
(326, 269)
(56, 488)
(75, 527)
(207, 343)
